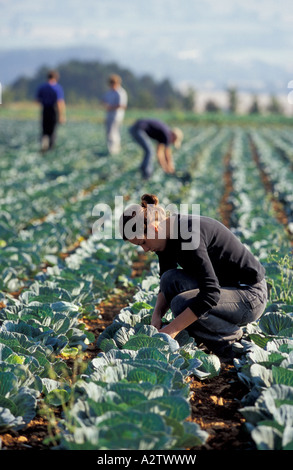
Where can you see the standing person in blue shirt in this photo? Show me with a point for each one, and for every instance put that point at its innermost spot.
(115, 101)
(50, 95)
(145, 130)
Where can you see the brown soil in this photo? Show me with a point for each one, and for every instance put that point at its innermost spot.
(225, 206)
(215, 407)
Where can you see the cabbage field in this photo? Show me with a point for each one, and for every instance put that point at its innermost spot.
(78, 356)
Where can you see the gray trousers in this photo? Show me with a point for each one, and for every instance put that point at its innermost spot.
(220, 326)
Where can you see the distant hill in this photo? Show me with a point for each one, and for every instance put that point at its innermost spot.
(16, 63)
(86, 81)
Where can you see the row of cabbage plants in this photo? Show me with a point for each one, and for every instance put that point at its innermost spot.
(45, 321)
(278, 170)
(266, 366)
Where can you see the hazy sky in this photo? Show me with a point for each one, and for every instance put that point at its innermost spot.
(252, 28)
(190, 31)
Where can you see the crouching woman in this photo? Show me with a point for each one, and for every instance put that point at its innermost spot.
(213, 284)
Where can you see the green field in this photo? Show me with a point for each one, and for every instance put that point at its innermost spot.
(55, 273)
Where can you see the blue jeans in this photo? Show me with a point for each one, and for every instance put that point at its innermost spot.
(220, 326)
(144, 141)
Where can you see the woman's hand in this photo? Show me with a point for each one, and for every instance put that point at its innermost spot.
(156, 320)
(182, 321)
(160, 309)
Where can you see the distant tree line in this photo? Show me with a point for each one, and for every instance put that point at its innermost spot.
(87, 82)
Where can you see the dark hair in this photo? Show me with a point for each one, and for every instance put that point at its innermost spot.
(149, 199)
(53, 74)
(134, 210)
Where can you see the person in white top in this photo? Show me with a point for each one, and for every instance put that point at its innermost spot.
(115, 101)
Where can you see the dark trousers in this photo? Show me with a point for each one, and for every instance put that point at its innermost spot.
(49, 123)
(220, 326)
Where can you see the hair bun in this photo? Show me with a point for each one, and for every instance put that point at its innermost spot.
(149, 199)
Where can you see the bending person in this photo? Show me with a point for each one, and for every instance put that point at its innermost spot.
(144, 131)
(221, 285)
